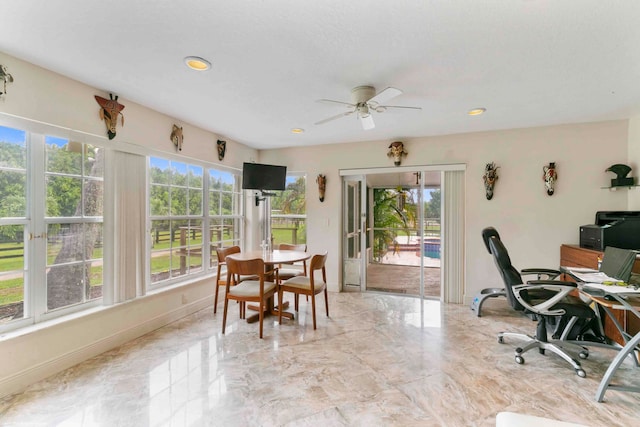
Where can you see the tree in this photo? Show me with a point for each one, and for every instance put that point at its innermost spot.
(69, 281)
(387, 217)
(292, 200)
(13, 196)
(433, 207)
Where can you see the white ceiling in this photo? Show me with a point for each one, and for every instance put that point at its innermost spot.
(529, 62)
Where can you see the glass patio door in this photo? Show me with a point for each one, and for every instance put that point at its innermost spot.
(354, 236)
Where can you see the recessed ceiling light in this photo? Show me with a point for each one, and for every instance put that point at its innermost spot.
(297, 130)
(197, 63)
(476, 111)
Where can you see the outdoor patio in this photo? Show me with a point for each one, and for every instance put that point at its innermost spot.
(399, 272)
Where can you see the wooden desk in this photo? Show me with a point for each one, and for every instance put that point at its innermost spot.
(575, 256)
(270, 259)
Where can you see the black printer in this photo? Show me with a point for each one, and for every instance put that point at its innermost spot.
(620, 229)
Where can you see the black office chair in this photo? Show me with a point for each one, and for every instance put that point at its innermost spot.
(481, 297)
(550, 301)
(484, 294)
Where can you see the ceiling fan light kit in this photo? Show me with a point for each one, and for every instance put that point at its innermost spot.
(363, 101)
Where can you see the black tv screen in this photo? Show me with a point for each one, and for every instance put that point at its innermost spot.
(257, 176)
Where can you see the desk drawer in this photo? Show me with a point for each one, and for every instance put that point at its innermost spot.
(579, 257)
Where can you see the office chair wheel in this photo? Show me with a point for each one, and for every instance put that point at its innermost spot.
(520, 360)
(541, 351)
(501, 340)
(518, 350)
(581, 373)
(583, 354)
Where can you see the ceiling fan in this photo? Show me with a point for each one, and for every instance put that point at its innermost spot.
(363, 102)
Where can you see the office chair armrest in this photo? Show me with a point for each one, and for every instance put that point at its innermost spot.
(542, 273)
(561, 288)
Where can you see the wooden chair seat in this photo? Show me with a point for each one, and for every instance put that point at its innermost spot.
(258, 291)
(304, 283)
(221, 277)
(250, 288)
(288, 273)
(308, 285)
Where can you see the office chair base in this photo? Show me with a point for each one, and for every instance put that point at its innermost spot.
(523, 337)
(476, 304)
(555, 346)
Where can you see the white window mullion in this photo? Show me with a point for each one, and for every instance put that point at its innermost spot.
(206, 223)
(36, 289)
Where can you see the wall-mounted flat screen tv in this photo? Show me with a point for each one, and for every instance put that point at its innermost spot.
(258, 176)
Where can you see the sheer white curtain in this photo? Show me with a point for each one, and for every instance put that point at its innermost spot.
(453, 235)
(125, 223)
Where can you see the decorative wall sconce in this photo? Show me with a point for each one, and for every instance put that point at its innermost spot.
(5, 77)
(621, 172)
(322, 183)
(222, 149)
(490, 177)
(110, 109)
(550, 176)
(176, 137)
(396, 150)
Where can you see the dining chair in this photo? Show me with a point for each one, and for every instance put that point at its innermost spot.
(288, 273)
(258, 291)
(308, 285)
(221, 275)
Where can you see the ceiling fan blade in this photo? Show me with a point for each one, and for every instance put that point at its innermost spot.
(337, 116)
(399, 106)
(385, 95)
(367, 122)
(331, 101)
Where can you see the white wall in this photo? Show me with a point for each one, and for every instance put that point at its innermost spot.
(42, 95)
(37, 352)
(532, 224)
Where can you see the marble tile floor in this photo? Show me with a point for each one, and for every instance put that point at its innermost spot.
(379, 360)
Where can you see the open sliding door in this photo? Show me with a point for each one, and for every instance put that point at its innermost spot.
(429, 244)
(354, 236)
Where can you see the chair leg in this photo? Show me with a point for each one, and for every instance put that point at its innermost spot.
(313, 310)
(326, 300)
(224, 315)
(280, 306)
(215, 299)
(296, 299)
(261, 316)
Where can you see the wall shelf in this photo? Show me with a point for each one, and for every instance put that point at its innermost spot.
(629, 187)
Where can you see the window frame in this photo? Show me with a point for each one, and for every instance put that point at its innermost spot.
(35, 223)
(205, 218)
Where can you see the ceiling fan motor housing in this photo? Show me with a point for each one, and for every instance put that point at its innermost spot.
(362, 94)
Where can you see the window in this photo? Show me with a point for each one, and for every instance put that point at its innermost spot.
(289, 212)
(74, 200)
(13, 221)
(176, 215)
(225, 210)
(50, 225)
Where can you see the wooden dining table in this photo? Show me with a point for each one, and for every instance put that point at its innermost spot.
(271, 260)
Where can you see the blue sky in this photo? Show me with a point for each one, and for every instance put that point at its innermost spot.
(11, 135)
